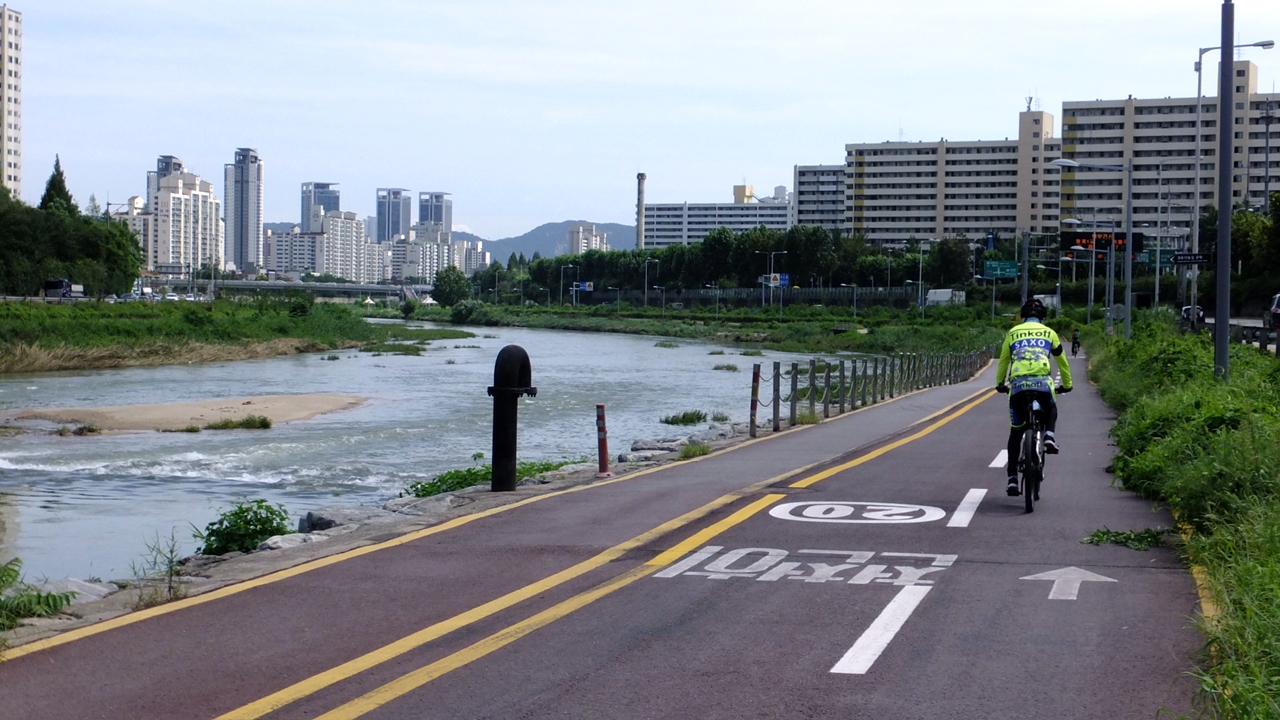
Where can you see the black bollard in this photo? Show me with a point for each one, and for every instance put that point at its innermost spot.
(512, 377)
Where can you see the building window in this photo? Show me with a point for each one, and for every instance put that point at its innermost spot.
(1239, 88)
(1035, 134)
(1239, 73)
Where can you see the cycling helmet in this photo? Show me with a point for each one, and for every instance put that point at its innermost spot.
(1034, 308)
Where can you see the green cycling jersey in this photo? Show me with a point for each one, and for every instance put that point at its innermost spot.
(1025, 358)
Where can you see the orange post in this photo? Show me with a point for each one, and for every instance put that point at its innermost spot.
(602, 441)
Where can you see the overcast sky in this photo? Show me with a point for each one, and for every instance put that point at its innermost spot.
(532, 112)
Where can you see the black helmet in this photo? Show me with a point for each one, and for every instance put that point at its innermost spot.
(1033, 308)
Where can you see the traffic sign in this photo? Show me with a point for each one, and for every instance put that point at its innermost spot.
(784, 280)
(997, 269)
(1191, 259)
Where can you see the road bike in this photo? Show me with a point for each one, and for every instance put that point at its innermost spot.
(1031, 461)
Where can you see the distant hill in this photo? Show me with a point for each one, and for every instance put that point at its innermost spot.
(552, 239)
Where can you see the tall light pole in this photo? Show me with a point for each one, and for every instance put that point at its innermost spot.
(993, 294)
(562, 268)
(855, 298)
(619, 299)
(775, 252)
(1058, 291)
(1127, 169)
(1223, 156)
(919, 295)
(717, 289)
(646, 277)
(664, 298)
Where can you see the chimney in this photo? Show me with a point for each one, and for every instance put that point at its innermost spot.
(640, 211)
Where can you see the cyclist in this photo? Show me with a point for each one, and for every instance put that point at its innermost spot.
(1075, 343)
(1025, 358)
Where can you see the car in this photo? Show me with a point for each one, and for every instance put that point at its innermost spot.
(189, 297)
(1271, 316)
(128, 297)
(171, 296)
(1186, 314)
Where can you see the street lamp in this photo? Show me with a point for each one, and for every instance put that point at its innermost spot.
(1058, 289)
(619, 297)
(855, 298)
(717, 289)
(562, 269)
(664, 298)
(919, 295)
(646, 277)
(1129, 239)
(993, 294)
(1222, 157)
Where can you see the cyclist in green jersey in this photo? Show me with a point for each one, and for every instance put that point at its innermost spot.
(1025, 360)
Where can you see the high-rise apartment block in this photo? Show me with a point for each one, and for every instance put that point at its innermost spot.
(338, 248)
(11, 27)
(244, 188)
(436, 208)
(683, 223)
(584, 237)
(179, 224)
(395, 214)
(317, 194)
(819, 196)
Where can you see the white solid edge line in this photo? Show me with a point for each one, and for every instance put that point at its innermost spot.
(1001, 459)
(968, 506)
(867, 649)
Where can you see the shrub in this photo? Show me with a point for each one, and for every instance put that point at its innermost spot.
(248, 422)
(453, 480)
(688, 417)
(665, 344)
(719, 417)
(804, 417)
(729, 367)
(243, 527)
(693, 450)
(716, 352)
(18, 601)
(392, 348)
(753, 353)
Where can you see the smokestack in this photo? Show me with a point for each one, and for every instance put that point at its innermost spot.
(640, 211)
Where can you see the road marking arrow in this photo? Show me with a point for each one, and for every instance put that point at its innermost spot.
(1066, 582)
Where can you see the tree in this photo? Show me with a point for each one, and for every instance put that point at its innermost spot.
(56, 196)
(450, 287)
(93, 209)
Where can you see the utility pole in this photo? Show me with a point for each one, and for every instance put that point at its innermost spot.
(1226, 154)
(1026, 263)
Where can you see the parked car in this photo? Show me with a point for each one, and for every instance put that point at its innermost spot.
(189, 297)
(1271, 316)
(128, 297)
(171, 296)
(1186, 314)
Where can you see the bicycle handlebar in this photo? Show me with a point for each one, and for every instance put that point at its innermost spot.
(1004, 389)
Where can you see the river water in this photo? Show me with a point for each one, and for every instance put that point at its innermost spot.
(86, 506)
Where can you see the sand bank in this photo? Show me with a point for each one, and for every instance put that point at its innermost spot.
(175, 416)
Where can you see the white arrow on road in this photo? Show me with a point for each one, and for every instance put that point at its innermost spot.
(1066, 582)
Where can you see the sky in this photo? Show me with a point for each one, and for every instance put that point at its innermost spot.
(531, 112)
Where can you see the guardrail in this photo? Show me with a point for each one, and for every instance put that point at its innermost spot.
(860, 383)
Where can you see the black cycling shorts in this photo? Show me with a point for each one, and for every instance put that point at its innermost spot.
(1020, 405)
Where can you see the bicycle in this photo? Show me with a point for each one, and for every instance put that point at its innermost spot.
(1075, 347)
(1031, 460)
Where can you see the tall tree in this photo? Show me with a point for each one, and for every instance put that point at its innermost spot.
(93, 209)
(450, 286)
(56, 196)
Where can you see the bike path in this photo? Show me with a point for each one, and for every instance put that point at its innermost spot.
(202, 658)
(793, 611)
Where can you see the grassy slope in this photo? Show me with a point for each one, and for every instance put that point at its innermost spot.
(1208, 450)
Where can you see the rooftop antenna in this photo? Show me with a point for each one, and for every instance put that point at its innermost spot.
(1029, 99)
(900, 131)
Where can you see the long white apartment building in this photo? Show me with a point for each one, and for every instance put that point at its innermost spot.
(1159, 137)
(180, 224)
(11, 27)
(819, 196)
(340, 248)
(684, 223)
(895, 191)
(584, 237)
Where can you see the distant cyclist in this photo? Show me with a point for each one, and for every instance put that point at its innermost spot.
(1075, 343)
(1025, 360)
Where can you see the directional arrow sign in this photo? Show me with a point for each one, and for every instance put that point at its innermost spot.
(1066, 582)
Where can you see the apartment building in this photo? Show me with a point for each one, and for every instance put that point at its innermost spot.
(317, 194)
(1159, 137)
(11, 27)
(244, 188)
(180, 226)
(339, 248)
(819, 196)
(395, 214)
(684, 223)
(436, 208)
(584, 237)
(895, 191)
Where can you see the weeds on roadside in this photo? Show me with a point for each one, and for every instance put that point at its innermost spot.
(719, 417)
(804, 417)
(18, 600)
(693, 450)
(243, 527)
(688, 417)
(453, 480)
(1133, 539)
(158, 576)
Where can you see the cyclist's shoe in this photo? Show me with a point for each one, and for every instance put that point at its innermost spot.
(1050, 444)
(1012, 489)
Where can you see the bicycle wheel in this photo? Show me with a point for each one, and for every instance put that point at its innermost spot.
(1030, 466)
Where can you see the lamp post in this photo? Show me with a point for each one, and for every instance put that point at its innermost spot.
(855, 298)
(993, 294)
(775, 252)
(1058, 288)
(619, 299)
(664, 298)
(1127, 169)
(646, 277)
(1222, 157)
(919, 295)
(562, 269)
(717, 289)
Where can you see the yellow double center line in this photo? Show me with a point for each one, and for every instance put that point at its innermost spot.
(417, 678)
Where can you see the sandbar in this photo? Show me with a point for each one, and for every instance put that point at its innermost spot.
(175, 416)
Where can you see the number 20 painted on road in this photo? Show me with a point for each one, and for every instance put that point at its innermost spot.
(857, 512)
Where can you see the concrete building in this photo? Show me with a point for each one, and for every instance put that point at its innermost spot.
(684, 223)
(139, 219)
(1159, 137)
(819, 196)
(896, 191)
(244, 188)
(11, 27)
(584, 237)
(437, 208)
(324, 195)
(180, 226)
(419, 260)
(470, 256)
(339, 248)
(395, 214)
(166, 165)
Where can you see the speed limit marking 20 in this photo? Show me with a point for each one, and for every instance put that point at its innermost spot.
(833, 511)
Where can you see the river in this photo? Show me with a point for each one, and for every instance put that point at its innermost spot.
(86, 506)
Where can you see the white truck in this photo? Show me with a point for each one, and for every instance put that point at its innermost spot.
(945, 297)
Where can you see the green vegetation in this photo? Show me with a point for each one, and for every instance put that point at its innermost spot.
(243, 527)
(804, 417)
(187, 429)
(1133, 539)
(54, 241)
(392, 349)
(730, 367)
(248, 422)
(665, 344)
(719, 417)
(693, 450)
(688, 417)
(753, 353)
(451, 287)
(452, 480)
(18, 600)
(1207, 449)
(158, 575)
(716, 352)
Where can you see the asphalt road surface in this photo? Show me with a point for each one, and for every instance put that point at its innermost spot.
(867, 567)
